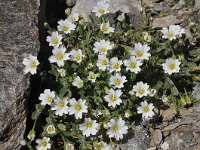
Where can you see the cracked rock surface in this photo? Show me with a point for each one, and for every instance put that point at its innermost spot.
(18, 38)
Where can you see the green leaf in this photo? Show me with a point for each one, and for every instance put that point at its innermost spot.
(35, 115)
(39, 108)
(61, 126)
(49, 120)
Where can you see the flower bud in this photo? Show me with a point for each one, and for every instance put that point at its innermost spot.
(67, 11)
(146, 37)
(31, 135)
(152, 92)
(127, 114)
(23, 142)
(121, 17)
(51, 129)
(105, 125)
(62, 72)
(69, 146)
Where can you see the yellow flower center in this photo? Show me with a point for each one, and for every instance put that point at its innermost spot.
(116, 66)
(117, 81)
(146, 109)
(33, 64)
(103, 49)
(102, 11)
(132, 65)
(172, 66)
(93, 76)
(113, 98)
(44, 143)
(88, 124)
(115, 128)
(99, 146)
(78, 107)
(49, 99)
(65, 28)
(105, 28)
(60, 56)
(141, 91)
(62, 104)
(139, 54)
(170, 35)
(80, 83)
(55, 41)
(78, 57)
(104, 62)
(73, 19)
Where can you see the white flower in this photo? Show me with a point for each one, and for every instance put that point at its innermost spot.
(66, 26)
(141, 89)
(164, 146)
(31, 64)
(102, 47)
(171, 66)
(50, 129)
(133, 64)
(54, 39)
(105, 28)
(76, 55)
(62, 72)
(92, 76)
(113, 97)
(47, 97)
(77, 107)
(102, 62)
(43, 144)
(60, 106)
(77, 82)
(172, 32)
(146, 110)
(74, 17)
(102, 146)
(101, 9)
(69, 146)
(117, 80)
(59, 56)
(152, 92)
(115, 64)
(141, 51)
(89, 127)
(121, 17)
(117, 128)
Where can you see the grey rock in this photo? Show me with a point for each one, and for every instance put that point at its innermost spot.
(158, 7)
(196, 91)
(70, 3)
(157, 136)
(197, 5)
(197, 108)
(132, 7)
(18, 38)
(149, 3)
(165, 21)
(136, 140)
